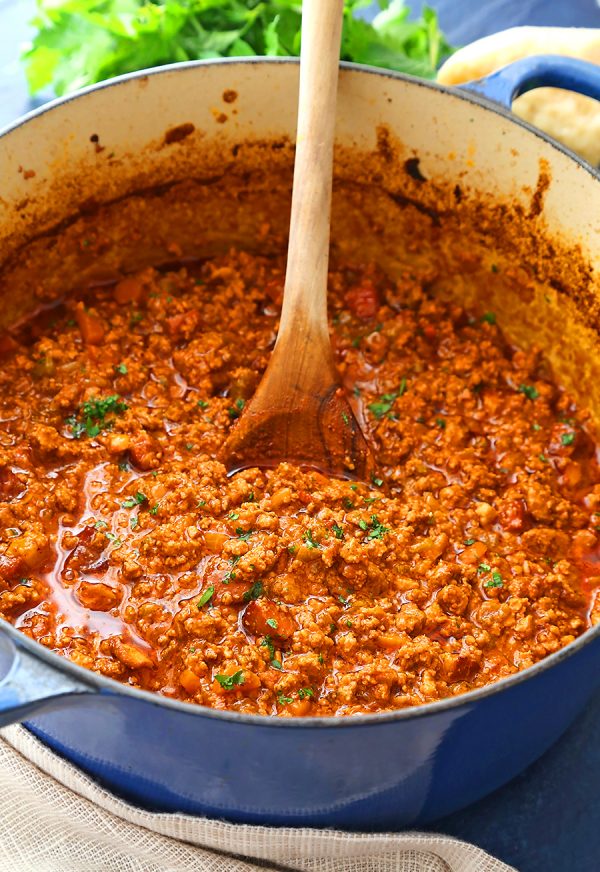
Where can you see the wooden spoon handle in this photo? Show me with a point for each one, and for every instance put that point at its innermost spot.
(305, 299)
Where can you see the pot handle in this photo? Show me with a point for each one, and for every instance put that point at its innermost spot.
(540, 71)
(29, 684)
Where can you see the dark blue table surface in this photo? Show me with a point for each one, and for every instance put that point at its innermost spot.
(547, 819)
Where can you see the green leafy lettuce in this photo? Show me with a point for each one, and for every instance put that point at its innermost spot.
(79, 42)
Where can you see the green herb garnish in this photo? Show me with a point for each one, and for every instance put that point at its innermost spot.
(254, 592)
(76, 44)
(230, 681)
(530, 391)
(136, 500)
(383, 406)
(310, 541)
(374, 529)
(91, 418)
(337, 531)
(272, 623)
(206, 596)
(495, 581)
(236, 410)
(567, 438)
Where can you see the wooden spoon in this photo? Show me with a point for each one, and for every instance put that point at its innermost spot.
(299, 412)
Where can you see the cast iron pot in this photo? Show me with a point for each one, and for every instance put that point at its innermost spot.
(372, 771)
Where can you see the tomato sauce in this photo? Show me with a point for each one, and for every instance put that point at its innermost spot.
(472, 554)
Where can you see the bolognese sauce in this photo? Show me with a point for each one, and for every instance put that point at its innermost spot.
(472, 553)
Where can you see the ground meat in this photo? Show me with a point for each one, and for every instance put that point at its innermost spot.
(124, 546)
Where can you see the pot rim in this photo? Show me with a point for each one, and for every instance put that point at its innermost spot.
(110, 686)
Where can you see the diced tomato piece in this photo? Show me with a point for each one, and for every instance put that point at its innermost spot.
(363, 300)
(7, 344)
(513, 516)
(90, 326)
(128, 290)
(264, 618)
(183, 325)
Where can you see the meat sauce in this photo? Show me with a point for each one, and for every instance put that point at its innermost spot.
(472, 554)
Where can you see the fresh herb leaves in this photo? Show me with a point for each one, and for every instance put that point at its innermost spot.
(136, 500)
(90, 419)
(79, 42)
(254, 592)
(530, 391)
(206, 596)
(228, 682)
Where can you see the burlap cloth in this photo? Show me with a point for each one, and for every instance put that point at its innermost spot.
(55, 819)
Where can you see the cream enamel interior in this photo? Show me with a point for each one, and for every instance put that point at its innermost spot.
(519, 235)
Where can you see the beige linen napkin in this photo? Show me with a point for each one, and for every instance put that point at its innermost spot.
(55, 819)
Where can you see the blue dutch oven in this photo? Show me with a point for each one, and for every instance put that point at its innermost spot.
(372, 771)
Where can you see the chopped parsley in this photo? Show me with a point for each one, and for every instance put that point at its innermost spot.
(489, 317)
(337, 531)
(228, 682)
(536, 428)
(233, 516)
(310, 541)
(305, 693)
(382, 407)
(203, 404)
(254, 592)
(348, 504)
(242, 534)
(136, 500)
(567, 438)
(530, 391)
(374, 529)
(114, 539)
(91, 418)
(483, 567)
(283, 700)
(291, 549)
(206, 596)
(440, 423)
(469, 541)
(543, 458)
(494, 581)
(276, 664)
(134, 521)
(378, 482)
(267, 643)
(154, 509)
(272, 623)
(121, 368)
(99, 525)
(236, 410)
(345, 418)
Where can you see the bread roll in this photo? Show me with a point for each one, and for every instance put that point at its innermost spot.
(572, 119)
